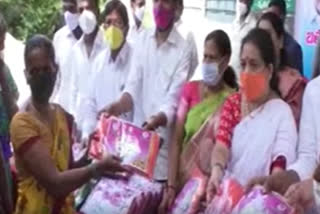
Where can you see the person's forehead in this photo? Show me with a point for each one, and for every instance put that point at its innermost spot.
(38, 57)
(114, 15)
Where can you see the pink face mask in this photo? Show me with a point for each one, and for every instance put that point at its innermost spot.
(163, 17)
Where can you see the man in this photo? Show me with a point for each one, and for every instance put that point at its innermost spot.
(160, 68)
(188, 35)
(243, 23)
(291, 46)
(138, 8)
(111, 67)
(82, 57)
(63, 41)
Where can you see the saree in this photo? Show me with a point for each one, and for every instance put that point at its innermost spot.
(25, 131)
(199, 135)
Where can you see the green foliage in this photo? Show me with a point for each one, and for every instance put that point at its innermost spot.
(29, 17)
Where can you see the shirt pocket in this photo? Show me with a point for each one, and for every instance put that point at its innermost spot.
(165, 77)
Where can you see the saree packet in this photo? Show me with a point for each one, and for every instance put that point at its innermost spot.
(136, 147)
(256, 202)
(137, 194)
(189, 199)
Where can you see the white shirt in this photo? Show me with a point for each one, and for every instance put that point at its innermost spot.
(107, 86)
(135, 33)
(188, 35)
(63, 41)
(155, 83)
(240, 30)
(309, 139)
(80, 65)
(264, 135)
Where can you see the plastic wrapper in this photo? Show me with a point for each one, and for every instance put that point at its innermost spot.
(189, 199)
(258, 203)
(135, 146)
(228, 196)
(136, 195)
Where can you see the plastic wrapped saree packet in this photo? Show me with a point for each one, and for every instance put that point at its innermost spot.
(134, 145)
(118, 196)
(229, 195)
(189, 199)
(258, 203)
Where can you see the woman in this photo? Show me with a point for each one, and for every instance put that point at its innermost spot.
(111, 67)
(255, 124)
(199, 101)
(42, 140)
(291, 83)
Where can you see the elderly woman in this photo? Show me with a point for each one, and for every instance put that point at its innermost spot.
(255, 124)
(42, 141)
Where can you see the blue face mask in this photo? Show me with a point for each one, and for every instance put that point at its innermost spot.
(210, 74)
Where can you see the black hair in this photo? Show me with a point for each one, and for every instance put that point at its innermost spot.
(119, 7)
(180, 3)
(96, 3)
(223, 44)
(262, 40)
(278, 27)
(42, 42)
(281, 4)
(3, 25)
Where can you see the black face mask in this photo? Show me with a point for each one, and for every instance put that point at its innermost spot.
(42, 85)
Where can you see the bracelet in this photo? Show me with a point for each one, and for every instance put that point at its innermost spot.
(171, 187)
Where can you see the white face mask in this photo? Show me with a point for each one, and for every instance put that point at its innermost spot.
(71, 19)
(242, 9)
(139, 13)
(87, 22)
(210, 74)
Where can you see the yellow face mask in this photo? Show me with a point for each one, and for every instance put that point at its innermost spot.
(114, 37)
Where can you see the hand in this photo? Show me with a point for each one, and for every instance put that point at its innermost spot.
(167, 201)
(111, 166)
(113, 109)
(277, 182)
(155, 122)
(301, 194)
(214, 183)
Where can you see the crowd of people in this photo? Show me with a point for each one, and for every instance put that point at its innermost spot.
(253, 115)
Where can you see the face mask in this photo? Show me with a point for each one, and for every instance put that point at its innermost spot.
(242, 9)
(71, 19)
(163, 17)
(253, 85)
(114, 37)
(210, 74)
(42, 85)
(139, 13)
(87, 22)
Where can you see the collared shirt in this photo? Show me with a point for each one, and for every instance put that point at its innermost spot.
(309, 139)
(187, 34)
(109, 81)
(240, 30)
(135, 33)
(80, 65)
(155, 83)
(63, 42)
(293, 53)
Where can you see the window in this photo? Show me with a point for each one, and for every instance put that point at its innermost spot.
(221, 10)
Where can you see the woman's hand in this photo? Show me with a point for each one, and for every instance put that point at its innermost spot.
(167, 200)
(214, 182)
(113, 109)
(111, 166)
(301, 194)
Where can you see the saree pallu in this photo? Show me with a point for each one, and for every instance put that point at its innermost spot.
(197, 151)
(25, 131)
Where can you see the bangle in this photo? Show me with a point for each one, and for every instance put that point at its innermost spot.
(171, 187)
(220, 166)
